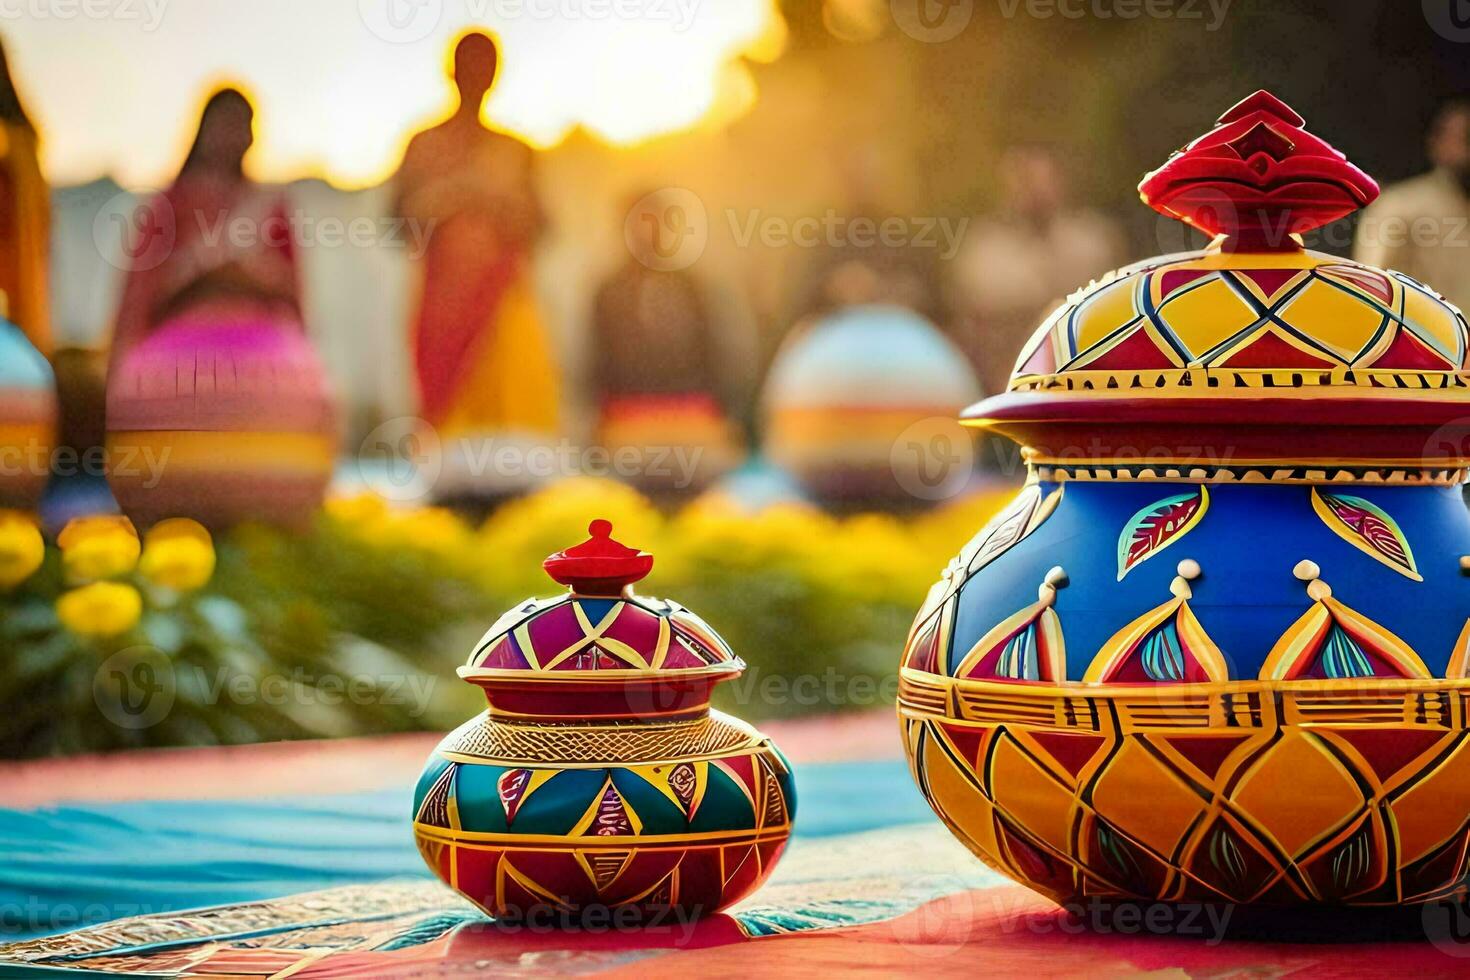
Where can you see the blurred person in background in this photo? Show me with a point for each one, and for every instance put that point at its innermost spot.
(484, 367)
(855, 265)
(660, 377)
(210, 359)
(25, 217)
(27, 383)
(1421, 226)
(1018, 263)
(182, 255)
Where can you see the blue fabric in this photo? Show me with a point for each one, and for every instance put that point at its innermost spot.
(68, 866)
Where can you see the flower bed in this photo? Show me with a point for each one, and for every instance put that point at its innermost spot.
(357, 626)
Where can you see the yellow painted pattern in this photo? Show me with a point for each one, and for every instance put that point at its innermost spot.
(1197, 643)
(1206, 316)
(1339, 317)
(1334, 318)
(1295, 803)
(1300, 645)
(1105, 311)
(1436, 323)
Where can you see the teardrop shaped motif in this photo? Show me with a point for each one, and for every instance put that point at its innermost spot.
(1331, 641)
(1162, 655)
(1025, 647)
(1167, 644)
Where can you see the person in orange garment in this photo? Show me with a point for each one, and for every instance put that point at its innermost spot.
(481, 357)
(25, 218)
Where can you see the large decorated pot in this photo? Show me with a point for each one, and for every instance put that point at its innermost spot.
(599, 781)
(1218, 649)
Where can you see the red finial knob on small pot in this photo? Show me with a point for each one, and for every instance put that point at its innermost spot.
(599, 566)
(1258, 178)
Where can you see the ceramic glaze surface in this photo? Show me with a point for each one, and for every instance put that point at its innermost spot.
(1218, 648)
(599, 778)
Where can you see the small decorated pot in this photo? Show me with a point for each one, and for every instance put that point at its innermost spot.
(599, 778)
(1217, 650)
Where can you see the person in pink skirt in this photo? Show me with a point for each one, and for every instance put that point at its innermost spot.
(217, 406)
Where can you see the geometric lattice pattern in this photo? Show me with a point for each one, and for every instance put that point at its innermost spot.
(576, 633)
(1298, 310)
(531, 743)
(691, 832)
(1360, 797)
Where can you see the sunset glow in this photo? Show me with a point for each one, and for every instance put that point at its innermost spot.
(338, 94)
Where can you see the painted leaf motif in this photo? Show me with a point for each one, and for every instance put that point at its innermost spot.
(1157, 526)
(1367, 527)
(1024, 515)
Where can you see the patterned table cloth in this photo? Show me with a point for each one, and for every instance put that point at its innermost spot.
(295, 860)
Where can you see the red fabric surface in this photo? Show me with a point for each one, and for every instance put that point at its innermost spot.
(1012, 932)
(1005, 931)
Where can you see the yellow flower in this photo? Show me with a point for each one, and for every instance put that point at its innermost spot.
(515, 539)
(178, 554)
(432, 529)
(100, 609)
(98, 547)
(357, 511)
(21, 548)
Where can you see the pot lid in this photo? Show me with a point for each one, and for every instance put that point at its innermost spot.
(599, 629)
(1254, 346)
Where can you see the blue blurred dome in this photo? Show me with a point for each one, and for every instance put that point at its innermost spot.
(871, 355)
(21, 365)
